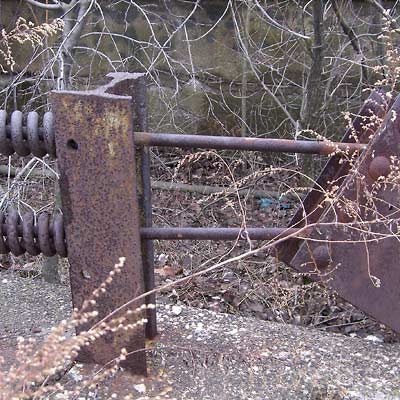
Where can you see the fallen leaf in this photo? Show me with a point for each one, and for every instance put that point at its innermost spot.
(169, 271)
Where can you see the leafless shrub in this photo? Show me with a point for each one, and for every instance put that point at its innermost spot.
(25, 32)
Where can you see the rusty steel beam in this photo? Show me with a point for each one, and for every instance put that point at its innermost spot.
(359, 258)
(364, 126)
(96, 158)
(136, 88)
(188, 233)
(241, 143)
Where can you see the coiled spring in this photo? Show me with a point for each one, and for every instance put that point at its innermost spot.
(23, 140)
(20, 235)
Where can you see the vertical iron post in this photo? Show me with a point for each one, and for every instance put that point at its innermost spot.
(96, 157)
(136, 88)
(144, 194)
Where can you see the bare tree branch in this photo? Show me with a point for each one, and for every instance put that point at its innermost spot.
(311, 104)
(276, 24)
(257, 74)
(56, 6)
(72, 33)
(355, 43)
(378, 6)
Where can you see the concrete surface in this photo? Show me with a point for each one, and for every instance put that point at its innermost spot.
(204, 355)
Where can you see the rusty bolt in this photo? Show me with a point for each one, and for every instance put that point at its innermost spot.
(380, 166)
(321, 256)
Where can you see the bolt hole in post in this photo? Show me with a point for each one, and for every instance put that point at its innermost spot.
(72, 144)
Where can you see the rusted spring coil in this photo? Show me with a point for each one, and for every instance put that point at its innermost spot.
(23, 140)
(19, 235)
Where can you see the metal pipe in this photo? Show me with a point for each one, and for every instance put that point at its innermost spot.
(241, 143)
(138, 92)
(216, 233)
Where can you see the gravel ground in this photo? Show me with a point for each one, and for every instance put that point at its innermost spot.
(225, 357)
(205, 355)
(30, 306)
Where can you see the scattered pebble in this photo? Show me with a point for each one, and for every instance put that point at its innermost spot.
(141, 388)
(60, 396)
(176, 310)
(199, 327)
(36, 329)
(373, 338)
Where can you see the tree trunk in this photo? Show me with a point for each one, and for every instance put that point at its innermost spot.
(74, 22)
(311, 104)
(313, 92)
(376, 29)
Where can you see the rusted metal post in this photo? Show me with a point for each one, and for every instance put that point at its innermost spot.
(144, 194)
(96, 157)
(135, 87)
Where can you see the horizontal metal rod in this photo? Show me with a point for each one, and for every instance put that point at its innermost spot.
(229, 143)
(216, 233)
(244, 143)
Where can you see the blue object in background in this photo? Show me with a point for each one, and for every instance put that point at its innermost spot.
(265, 202)
(285, 206)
